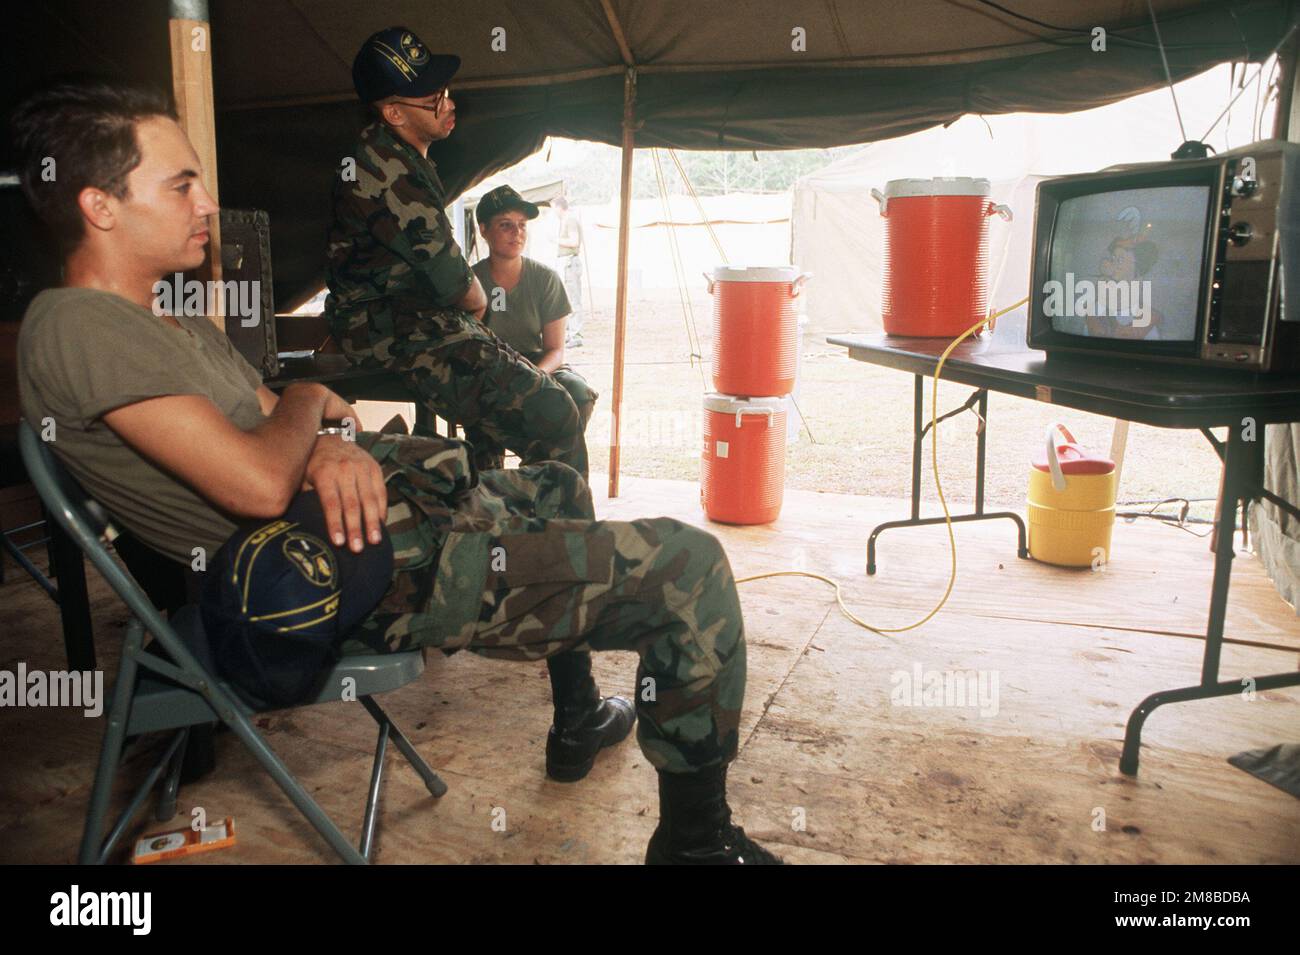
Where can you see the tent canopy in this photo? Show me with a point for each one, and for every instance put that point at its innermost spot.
(708, 76)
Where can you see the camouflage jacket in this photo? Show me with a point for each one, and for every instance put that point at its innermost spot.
(391, 251)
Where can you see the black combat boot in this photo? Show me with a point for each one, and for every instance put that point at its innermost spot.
(695, 824)
(584, 723)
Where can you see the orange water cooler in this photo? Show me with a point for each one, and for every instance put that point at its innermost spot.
(755, 365)
(936, 254)
(742, 473)
(755, 329)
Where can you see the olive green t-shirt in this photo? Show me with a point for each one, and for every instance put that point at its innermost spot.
(535, 302)
(82, 353)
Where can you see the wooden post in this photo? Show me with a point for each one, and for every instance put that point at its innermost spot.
(1118, 444)
(620, 302)
(190, 37)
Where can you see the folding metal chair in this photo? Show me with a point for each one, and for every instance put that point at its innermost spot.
(153, 694)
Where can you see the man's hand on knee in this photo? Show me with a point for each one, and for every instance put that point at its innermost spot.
(352, 492)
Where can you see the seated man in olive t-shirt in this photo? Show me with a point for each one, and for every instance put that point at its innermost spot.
(527, 305)
(172, 430)
(67, 383)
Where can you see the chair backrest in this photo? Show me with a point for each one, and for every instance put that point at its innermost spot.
(168, 583)
(86, 521)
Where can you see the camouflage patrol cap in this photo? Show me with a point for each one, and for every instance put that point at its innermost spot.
(394, 62)
(503, 199)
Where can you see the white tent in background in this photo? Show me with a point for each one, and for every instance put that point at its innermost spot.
(839, 235)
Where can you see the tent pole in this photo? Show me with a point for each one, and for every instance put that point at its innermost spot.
(620, 300)
(190, 36)
(1286, 123)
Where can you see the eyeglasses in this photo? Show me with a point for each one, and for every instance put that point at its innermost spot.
(437, 105)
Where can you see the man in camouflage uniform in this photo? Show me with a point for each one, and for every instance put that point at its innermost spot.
(512, 564)
(402, 297)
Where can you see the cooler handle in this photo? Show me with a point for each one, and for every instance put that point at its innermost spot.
(1053, 462)
(744, 411)
(708, 280)
(1000, 210)
(880, 198)
(797, 285)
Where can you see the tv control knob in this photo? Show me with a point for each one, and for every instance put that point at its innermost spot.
(1241, 233)
(1243, 188)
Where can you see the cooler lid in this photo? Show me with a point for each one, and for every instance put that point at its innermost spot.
(941, 186)
(755, 273)
(1075, 460)
(731, 404)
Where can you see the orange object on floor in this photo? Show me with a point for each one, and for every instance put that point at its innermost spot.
(742, 474)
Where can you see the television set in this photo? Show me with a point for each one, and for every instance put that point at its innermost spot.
(1188, 260)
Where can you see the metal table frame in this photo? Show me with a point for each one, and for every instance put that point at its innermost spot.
(1169, 397)
(919, 430)
(1243, 482)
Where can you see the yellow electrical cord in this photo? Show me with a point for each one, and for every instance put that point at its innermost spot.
(934, 463)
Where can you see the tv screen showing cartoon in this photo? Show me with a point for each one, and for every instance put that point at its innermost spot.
(1126, 264)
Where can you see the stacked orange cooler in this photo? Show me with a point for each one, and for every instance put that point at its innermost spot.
(755, 354)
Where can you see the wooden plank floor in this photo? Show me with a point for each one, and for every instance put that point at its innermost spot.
(1030, 776)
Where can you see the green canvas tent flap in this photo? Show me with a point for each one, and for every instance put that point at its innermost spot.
(753, 74)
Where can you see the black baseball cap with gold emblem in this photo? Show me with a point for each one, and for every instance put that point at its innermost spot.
(278, 600)
(394, 62)
(503, 199)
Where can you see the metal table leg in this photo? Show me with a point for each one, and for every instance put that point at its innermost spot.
(919, 429)
(1243, 481)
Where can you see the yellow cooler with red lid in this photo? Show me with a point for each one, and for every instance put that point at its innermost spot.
(1071, 503)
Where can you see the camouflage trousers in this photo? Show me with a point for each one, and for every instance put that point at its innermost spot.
(489, 455)
(513, 566)
(466, 374)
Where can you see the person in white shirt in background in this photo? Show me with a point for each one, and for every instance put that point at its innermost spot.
(570, 253)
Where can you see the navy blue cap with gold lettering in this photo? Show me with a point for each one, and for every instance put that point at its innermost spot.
(278, 600)
(394, 62)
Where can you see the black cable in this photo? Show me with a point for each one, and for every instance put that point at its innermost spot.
(1029, 19)
(1129, 518)
(1110, 34)
(1181, 520)
(1236, 21)
(1186, 504)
